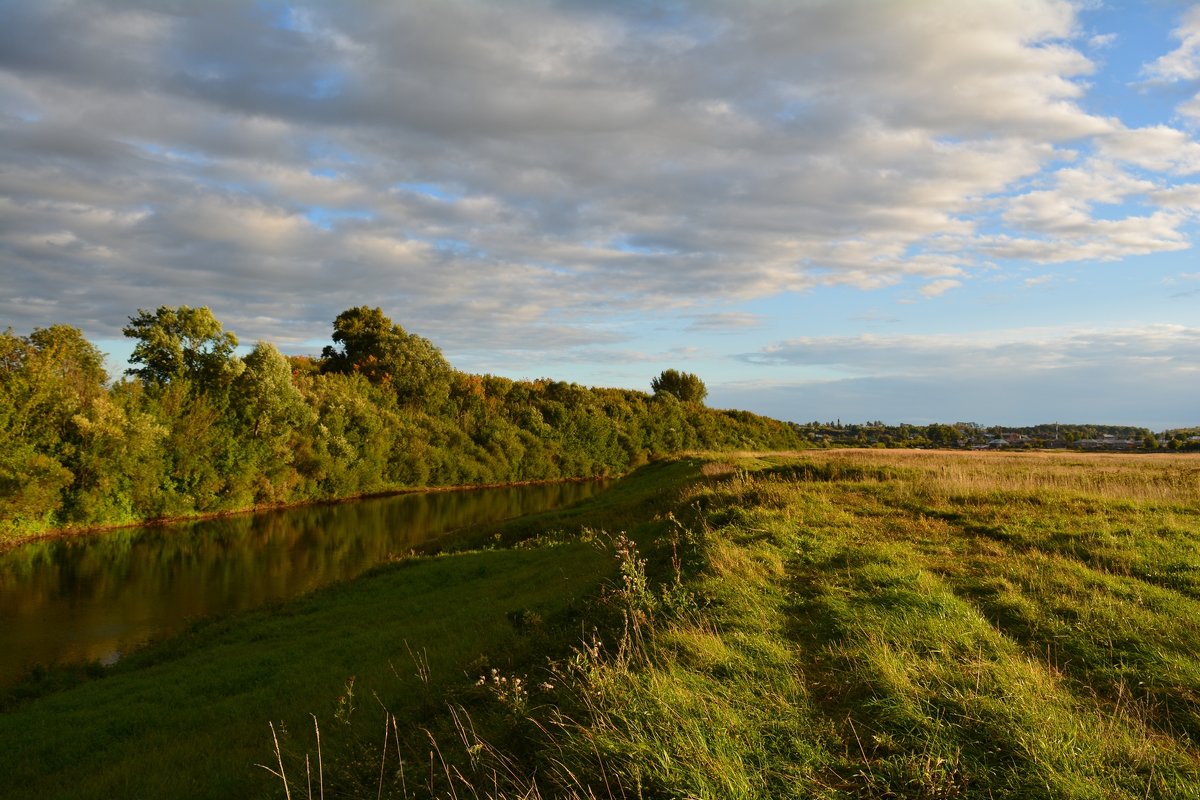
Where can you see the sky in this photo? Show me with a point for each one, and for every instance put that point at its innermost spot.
(900, 210)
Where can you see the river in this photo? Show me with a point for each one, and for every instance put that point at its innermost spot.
(96, 597)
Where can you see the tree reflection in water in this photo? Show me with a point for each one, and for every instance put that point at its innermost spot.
(94, 597)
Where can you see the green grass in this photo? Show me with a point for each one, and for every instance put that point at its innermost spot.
(838, 624)
(932, 625)
(188, 718)
(895, 625)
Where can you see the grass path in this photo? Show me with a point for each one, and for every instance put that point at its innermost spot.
(972, 637)
(921, 625)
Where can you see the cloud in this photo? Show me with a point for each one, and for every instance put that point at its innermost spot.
(1133, 395)
(1182, 63)
(938, 288)
(1159, 148)
(1145, 376)
(724, 322)
(1190, 109)
(489, 173)
(1174, 348)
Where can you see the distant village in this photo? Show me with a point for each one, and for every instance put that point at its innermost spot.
(972, 436)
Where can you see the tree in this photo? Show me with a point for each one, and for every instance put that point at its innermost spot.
(942, 435)
(264, 395)
(187, 343)
(387, 355)
(45, 379)
(51, 395)
(683, 385)
(74, 356)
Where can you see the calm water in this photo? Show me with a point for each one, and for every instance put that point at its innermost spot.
(95, 597)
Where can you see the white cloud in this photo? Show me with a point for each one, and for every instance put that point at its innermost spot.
(725, 322)
(527, 167)
(1190, 109)
(1182, 63)
(1159, 148)
(938, 288)
(1143, 376)
(1135, 394)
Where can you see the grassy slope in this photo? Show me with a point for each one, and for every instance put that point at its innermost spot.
(188, 717)
(846, 624)
(918, 625)
(193, 723)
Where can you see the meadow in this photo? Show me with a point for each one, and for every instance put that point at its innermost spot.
(858, 623)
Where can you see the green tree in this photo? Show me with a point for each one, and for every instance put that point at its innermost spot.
(683, 385)
(264, 395)
(182, 343)
(272, 419)
(71, 355)
(45, 378)
(942, 435)
(51, 393)
(387, 355)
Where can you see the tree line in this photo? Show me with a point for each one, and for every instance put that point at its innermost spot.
(194, 428)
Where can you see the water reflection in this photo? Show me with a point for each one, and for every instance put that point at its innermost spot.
(95, 597)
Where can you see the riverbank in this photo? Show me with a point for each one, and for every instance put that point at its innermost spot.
(162, 522)
(187, 716)
(834, 624)
(865, 624)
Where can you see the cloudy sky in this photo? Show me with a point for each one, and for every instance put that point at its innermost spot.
(907, 211)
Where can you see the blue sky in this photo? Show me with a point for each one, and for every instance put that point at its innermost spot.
(907, 211)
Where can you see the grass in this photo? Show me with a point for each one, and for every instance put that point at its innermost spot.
(979, 624)
(864, 624)
(823, 625)
(188, 716)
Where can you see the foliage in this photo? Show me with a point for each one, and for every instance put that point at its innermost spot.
(200, 430)
(55, 420)
(182, 343)
(384, 353)
(682, 385)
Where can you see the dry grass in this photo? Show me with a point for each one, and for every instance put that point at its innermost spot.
(1131, 477)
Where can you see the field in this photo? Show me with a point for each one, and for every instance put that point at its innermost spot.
(830, 624)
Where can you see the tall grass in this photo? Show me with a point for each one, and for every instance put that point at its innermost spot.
(865, 624)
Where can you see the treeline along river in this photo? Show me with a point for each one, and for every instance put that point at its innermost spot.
(198, 429)
(94, 597)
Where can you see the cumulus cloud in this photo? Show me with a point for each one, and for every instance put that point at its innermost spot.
(492, 172)
(938, 288)
(1182, 63)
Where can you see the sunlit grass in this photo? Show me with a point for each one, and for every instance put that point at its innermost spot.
(913, 624)
(987, 624)
(815, 625)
